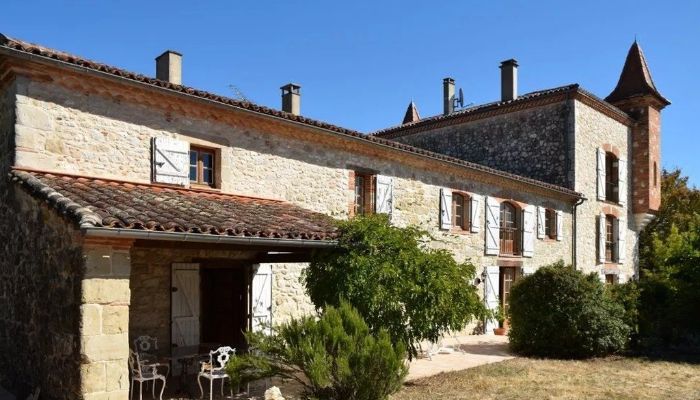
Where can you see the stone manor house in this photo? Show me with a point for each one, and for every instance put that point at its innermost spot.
(135, 205)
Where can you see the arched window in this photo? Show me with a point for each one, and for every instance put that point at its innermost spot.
(509, 232)
(612, 182)
(460, 211)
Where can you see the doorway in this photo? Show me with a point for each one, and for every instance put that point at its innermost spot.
(506, 280)
(224, 305)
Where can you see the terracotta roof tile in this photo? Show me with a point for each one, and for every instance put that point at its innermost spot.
(91, 202)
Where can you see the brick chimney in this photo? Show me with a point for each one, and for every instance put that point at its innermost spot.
(448, 95)
(509, 80)
(291, 98)
(169, 67)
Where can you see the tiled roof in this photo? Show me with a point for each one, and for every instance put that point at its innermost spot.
(635, 78)
(29, 48)
(91, 202)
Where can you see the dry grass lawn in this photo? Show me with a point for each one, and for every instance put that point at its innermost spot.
(523, 378)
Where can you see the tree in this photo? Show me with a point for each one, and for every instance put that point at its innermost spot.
(395, 281)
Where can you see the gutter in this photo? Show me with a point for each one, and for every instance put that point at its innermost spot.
(573, 230)
(203, 238)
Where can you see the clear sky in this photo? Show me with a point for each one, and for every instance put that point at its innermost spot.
(361, 62)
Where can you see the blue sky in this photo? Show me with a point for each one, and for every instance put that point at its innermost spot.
(361, 62)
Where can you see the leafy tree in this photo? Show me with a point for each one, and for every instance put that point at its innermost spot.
(334, 357)
(395, 281)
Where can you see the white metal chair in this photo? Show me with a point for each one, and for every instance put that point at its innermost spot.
(143, 373)
(215, 369)
(147, 347)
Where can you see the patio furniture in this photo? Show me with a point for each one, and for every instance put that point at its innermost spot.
(143, 373)
(214, 369)
(185, 357)
(147, 347)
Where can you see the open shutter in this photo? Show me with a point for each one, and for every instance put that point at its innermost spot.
(171, 161)
(622, 277)
(493, 222)
(621, 233)
(445, 209)
(475, 217)
(622, 181)
(529, 231)
(601, 174)
(261, 298)
(601, 238)
(601, 276)
(184, 301)
(527, 271)
(384, 195)
(540, 222)
(492, 275)
(560, 225)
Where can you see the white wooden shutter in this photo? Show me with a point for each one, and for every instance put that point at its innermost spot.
(384, 195)
(622, 181)
(620, 230)
(445, 209)
(560, 225)
(601, 238)
(185, 300)
(529, 231)
(475, 217)
(527, 271)
(601, 276)
(493, 222)
(171, 161)
(601, 174)
(622, 277)
(492, 275)
(541, 211)
(261, 298)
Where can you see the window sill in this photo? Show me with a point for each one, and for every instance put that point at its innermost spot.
(459, 231)
(610, 202)
(510, 256)
(204, 188)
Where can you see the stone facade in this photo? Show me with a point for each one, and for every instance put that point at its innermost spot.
(289, 298)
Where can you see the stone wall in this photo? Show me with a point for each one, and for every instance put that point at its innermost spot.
(289, 298)
(531, 142)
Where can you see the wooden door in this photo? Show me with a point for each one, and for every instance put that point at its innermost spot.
(185, 309)
(261, 298)
(507, 278)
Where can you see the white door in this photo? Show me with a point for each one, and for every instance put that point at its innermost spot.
(261, 298)
(185, 304)
(492, 275)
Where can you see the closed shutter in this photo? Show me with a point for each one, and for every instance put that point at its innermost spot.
(601, 238)
(529, 231)
(445, 209)
(601, 174)
(384, 195)
(185, 297)
(493, 222)
(492, 275)
(620, 230)
(622, 181)
(261, 298)
(560, 225)
(540, 222)
(171, 161)
(475, 217)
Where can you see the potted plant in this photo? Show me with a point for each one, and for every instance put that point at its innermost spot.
(500, 316)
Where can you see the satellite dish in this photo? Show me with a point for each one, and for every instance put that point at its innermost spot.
(458, 102)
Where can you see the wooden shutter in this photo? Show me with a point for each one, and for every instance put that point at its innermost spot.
(491, 281)
(261, 298)
(493, 222)
(171, 161)
(384, 195)
(620, 231)
(601, 174)
(541, 220)
(601, 238)
(622, 277)
(445, 209)
(527, 271)
(475, 210)
(529, 231)
(622, 181)
(560, 225)
(185, 299)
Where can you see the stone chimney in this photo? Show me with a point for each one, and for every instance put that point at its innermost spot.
(169, 67)
(291, 98)
(448, 95)
(509, 80)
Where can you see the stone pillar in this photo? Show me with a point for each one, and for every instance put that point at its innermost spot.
(104, 330)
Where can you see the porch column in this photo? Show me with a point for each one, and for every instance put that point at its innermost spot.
(104, 330)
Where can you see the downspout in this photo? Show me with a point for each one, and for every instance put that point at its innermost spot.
(573, 230)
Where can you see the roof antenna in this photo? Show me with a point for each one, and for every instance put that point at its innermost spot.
(459, 101)
(238, 94)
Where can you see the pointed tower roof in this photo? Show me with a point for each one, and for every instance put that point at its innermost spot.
(411, 114)
(635, 79)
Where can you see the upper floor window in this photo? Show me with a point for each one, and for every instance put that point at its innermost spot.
(509, 230)
(550, 223)
(201, 166)
(612, 182)
(363, 194)
(460, 211)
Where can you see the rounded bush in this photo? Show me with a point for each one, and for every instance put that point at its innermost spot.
(559, 312)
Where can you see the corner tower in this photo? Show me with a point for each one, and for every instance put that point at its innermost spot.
(637, 95)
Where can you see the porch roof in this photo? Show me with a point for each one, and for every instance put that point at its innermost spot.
(101, 203)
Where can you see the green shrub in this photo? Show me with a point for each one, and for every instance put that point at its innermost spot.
(334, 357)
(559, 312)
(627, 296)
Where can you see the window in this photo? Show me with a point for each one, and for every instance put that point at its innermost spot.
(509, 230)
(610, 279)
(460, 211)
(550, 223)
(609, 238)
(363, 194)
(612, 182)
(201, 166)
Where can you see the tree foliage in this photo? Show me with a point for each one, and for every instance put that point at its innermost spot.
(334, 357)
(395, 281)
